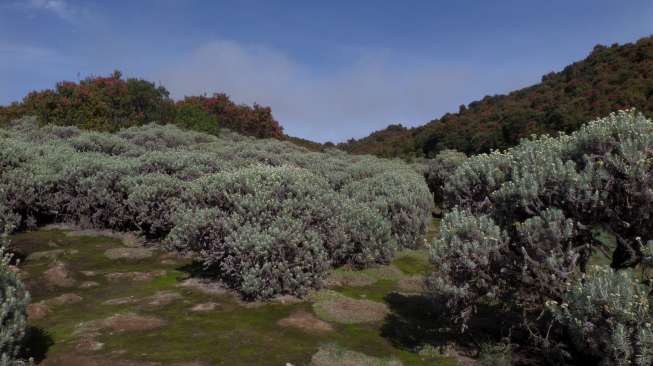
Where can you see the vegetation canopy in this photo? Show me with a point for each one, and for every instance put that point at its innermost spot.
(266, 216)
(527, 223)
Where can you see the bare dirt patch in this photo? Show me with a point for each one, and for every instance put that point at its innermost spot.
(122, 301)
(51, 254)
(348, 278)
(205, 286)
(305, 321)
(65, 299)
(37, 311)
(346, 310)
(128, 239)
(134, 276)
(58, 276)
(412, 284)
(163, 298)
(128, 253)
(125, 323)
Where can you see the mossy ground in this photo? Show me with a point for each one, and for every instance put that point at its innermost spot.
(233, 334)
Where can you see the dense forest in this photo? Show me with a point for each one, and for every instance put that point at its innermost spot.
(609, 79)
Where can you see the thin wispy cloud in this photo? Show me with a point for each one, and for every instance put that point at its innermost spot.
(62, 9)
(376, 89)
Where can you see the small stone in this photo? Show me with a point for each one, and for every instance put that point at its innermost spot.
(89, 284)
(89, 273)
(205, 307)
(168, 262)
(121, 301)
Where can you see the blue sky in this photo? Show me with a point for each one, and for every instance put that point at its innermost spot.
(330, 70)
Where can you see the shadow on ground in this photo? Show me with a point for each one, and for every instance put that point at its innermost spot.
(417, 320)
(36, 344)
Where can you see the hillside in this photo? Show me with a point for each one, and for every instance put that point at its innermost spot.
(610, 78)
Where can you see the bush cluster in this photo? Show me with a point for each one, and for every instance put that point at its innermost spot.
(525, 220)
(111, 103)
(267, 217)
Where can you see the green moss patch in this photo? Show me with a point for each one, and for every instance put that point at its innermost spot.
(230, 333)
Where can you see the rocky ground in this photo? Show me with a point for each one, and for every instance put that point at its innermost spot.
(101, 299)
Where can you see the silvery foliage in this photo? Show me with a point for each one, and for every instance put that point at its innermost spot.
(269, 230)
(608, 317)
(151, 201)
(154, 178)
(440, 168)
(402, 198)
(523, 219)
(14, 299)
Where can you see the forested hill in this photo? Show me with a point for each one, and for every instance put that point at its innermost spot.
(609, 79)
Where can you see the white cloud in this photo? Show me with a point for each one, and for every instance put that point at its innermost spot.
(371, 92)
(60, 8)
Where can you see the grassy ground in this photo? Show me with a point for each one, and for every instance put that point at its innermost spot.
(233, 334)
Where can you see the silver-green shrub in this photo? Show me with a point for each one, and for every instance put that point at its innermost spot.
(439, 169)
(151, 201)
(156, 137)
(14, 299)
(402, 198)
(524, 220)
(332, 208)
(103, 143)
(274, 230)
(608, 317)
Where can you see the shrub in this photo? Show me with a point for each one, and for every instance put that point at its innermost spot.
(88, 189)
(101, 103)
(525, 218)
(185, 165)
(285, 209)
(152, 200)
(259, 259)
(400, 197)
(13, 304)
(156, 137)
(608, 317)
(197, 119)
(269, 216)
(439, 169)
(256, 121)
(102, 143)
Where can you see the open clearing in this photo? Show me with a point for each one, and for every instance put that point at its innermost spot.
(95, 301)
